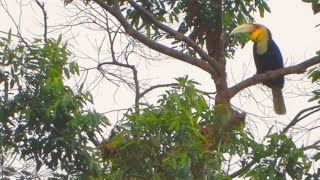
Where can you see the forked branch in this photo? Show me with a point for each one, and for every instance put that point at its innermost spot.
(305, 112)
(116, 12)
(179, 36)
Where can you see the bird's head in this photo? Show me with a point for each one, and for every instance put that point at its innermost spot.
(257, 32)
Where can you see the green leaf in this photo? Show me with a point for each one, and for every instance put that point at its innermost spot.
(36, 41)
(59, 40)
(261, 10)
(148, 31)
(9, 40)
(66, 72)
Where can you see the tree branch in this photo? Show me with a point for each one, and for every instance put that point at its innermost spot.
(215, 46)
(45, 18)
(315, 145)
(171, 85)
(245, 168)
(179, 36)
(297, 118)
(116, 12)
(157, 86)
(258, 78)
(115, 62)
(135, 78)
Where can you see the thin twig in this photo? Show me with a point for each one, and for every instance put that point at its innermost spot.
(157, 86)
(135, 77)
(297, 118)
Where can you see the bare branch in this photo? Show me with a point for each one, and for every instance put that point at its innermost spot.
(297, 118)
(245, 168)
(45, 18)
(135, 78)
(179, 36)
(127, 65)
(172, 85)
(6, 9)
(315, 145)
(157, 86)
(258, 78)
(116, 12)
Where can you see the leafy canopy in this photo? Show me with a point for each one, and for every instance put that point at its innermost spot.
(184, 138)
(41, 118)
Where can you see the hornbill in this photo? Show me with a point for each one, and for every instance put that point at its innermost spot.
(267, 56)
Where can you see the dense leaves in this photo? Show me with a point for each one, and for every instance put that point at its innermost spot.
(41, 118)
(184, 138)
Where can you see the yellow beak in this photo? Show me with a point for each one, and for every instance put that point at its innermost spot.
(243, 28)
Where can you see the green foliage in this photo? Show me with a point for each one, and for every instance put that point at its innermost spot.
(164, 141)
(184, 138)
(278, 158)
(315, 4)
(41, 118)
(314, 75)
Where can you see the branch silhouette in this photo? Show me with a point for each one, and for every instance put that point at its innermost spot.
(115, 10)
(177, 35)
(258, 78)
(305, 112)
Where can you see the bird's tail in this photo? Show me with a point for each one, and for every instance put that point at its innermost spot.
(278, 101)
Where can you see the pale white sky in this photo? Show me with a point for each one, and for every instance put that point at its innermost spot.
(291, 22)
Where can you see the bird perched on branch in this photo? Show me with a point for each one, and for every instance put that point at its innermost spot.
(267, 56)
